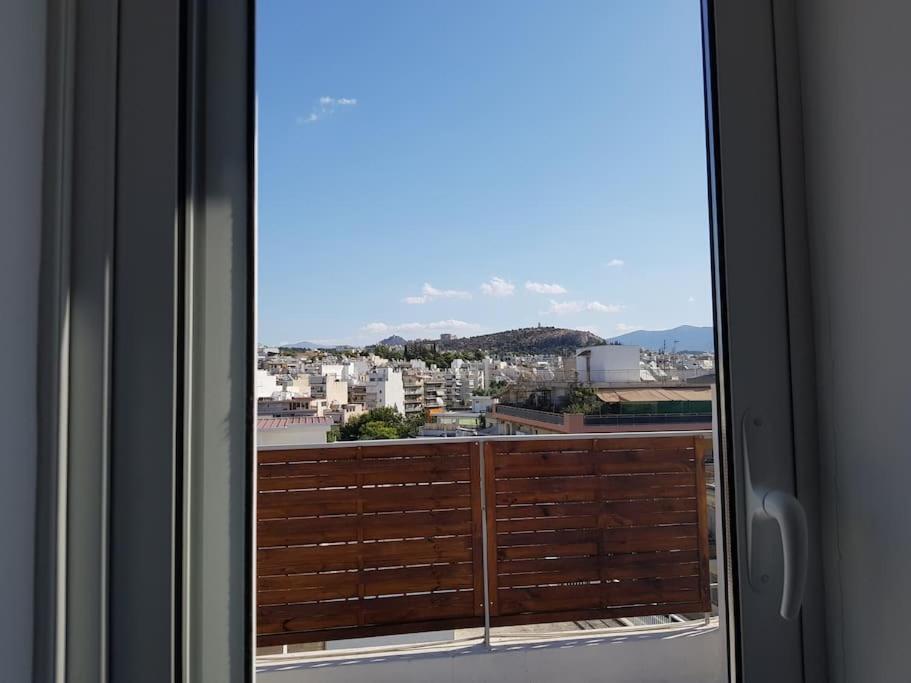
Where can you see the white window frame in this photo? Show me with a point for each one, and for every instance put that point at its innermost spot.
(145, 535)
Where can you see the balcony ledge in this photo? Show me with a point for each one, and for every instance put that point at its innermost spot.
(683, 653)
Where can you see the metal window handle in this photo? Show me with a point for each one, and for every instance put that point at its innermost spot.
(786, 510)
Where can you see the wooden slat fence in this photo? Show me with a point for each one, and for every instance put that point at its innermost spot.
(365, 541)
(597, 529)
(356, 541)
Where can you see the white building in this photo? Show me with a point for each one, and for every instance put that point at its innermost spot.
(483, 404)
(266, 384)
(608, 363)
(329, 387)
(385, 388)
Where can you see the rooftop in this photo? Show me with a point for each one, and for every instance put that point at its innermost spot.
(265, 423)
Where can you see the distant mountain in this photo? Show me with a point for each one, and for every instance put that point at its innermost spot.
(394, 340)
(687, 338)
(310, 346)
(531, 340)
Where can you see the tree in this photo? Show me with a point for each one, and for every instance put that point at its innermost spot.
(381, 423)
(583, 400)
(376, 429)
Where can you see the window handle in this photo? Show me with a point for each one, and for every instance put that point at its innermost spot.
(788, 513)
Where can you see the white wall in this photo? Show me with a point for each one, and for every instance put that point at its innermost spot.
(608, 363)
(21, 120)
(856, 80)
(295, 435)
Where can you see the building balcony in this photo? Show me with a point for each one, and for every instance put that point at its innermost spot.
(577, 423)
(483, 538)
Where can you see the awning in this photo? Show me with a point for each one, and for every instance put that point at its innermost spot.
(655, 394)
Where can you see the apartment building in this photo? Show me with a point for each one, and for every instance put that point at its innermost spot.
(385, 389)
(330, 388)
(434, 393)
(413, 384)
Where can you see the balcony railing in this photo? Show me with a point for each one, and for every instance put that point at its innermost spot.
(649, 419)
(530, 414)
(374, 538)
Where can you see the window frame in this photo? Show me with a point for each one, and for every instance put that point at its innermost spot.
(150, 206)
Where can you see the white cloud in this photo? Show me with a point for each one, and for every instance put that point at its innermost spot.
(615, 263)
(603, 308)
(326, 106)
(692, 300)
(623, 327)
(497, 286)
(566, 307)
(413, 327)
(429, 293)
(545, 288)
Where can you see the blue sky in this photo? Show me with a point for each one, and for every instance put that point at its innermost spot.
(469, 167)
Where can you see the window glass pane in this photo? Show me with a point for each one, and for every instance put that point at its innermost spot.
(486, 373)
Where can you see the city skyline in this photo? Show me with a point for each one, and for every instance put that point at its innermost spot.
(472, 168)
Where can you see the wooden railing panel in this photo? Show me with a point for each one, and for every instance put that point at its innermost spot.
(357, 541)
(361, 541)
(598, 529)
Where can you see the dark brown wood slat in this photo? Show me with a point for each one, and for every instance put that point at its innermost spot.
(418, 579)
(305, 617)
(621, 509)
(414, 524)
(649, 519)
(612, 486)
(615, 494)
(550, 598)
(548, 537)
(590, 571)
(376, 527)
(379, 554)
(418, 607)
(271, 561)
(342, 589)
(502, 449)
(591, 596)
(646, 533)
(594, 462)
(614, 563)
(279, 532)
(594, 570)
(643, 443)
(404, 476)
(401, 498)
(547, 523)
(637, 545)
(382, 499)
(414, 449)
(302, 581)
(529, 552)
(426, 464)
(268, 510)
(305, 455)
(676, 589)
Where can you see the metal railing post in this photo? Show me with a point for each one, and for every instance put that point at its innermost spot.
(484, 558)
